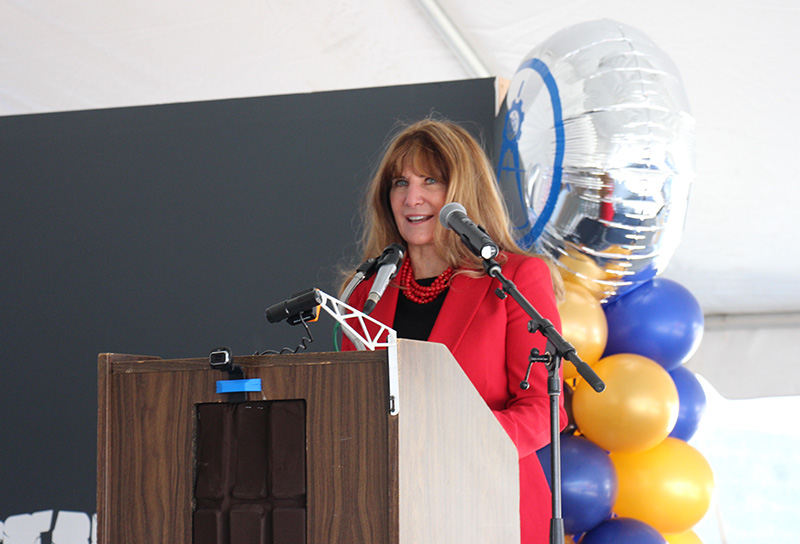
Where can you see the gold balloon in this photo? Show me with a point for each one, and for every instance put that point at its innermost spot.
(689, 537)
(580, 269)
(668, 487)
(637, 410)
(583, 324)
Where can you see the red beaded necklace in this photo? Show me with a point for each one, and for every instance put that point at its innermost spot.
(416, 292)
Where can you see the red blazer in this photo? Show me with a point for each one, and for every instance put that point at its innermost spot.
(490, 340)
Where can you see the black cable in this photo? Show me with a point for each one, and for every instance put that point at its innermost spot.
(302, 345)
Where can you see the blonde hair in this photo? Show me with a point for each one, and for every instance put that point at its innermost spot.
(446, 152)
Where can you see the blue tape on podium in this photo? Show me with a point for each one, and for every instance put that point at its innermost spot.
(238, 386)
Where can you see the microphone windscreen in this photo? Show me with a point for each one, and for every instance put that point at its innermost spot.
(447, 209)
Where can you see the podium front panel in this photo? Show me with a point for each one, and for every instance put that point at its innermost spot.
(147, 442)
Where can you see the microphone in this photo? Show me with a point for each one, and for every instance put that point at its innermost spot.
(388, 264)
(363, 272)
(453, 216)
(303, 306)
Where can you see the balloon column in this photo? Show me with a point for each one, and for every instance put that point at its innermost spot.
(628, 461)
(596, 164)
(628, 473)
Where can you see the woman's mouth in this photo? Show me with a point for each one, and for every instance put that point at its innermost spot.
(417, 218)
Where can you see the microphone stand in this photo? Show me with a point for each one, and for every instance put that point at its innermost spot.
(556, 349)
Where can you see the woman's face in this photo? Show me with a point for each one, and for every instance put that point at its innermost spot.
(416, 201)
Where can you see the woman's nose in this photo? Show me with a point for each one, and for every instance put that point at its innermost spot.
(414, 195)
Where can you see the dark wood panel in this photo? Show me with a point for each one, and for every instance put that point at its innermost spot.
(148, 445)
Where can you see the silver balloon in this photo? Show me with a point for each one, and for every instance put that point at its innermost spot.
(598, 155)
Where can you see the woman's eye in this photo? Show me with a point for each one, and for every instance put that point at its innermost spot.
(430, 181)
(399, 183)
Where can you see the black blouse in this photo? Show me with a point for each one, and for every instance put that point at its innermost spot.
(415, 321)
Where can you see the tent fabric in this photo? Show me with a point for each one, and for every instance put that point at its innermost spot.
(737, 61)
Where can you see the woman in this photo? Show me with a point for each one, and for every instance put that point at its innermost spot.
(441, 293)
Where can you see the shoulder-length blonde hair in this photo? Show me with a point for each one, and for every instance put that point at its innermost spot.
(447, 152)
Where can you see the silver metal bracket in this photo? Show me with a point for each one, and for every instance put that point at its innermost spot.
(385, 337)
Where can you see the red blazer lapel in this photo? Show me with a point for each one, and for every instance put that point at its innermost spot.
(459, 308)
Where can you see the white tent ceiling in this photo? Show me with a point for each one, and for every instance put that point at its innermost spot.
(738, 60)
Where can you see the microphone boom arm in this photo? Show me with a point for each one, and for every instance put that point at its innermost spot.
(556, 349)
(560, 345)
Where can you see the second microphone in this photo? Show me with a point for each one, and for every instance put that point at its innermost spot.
(388, 264)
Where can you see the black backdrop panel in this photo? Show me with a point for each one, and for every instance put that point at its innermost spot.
(167, 230)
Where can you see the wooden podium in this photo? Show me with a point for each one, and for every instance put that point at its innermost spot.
(441, 471)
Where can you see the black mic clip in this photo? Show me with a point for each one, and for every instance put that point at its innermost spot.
(535, 357)
(493, 270)
(393, 253)
(367, 268)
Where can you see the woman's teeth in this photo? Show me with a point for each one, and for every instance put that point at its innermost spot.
(418, 218)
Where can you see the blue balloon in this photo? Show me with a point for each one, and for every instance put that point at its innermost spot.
(588, 483)
(691, 403)
(660, 320)
(623, 531)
